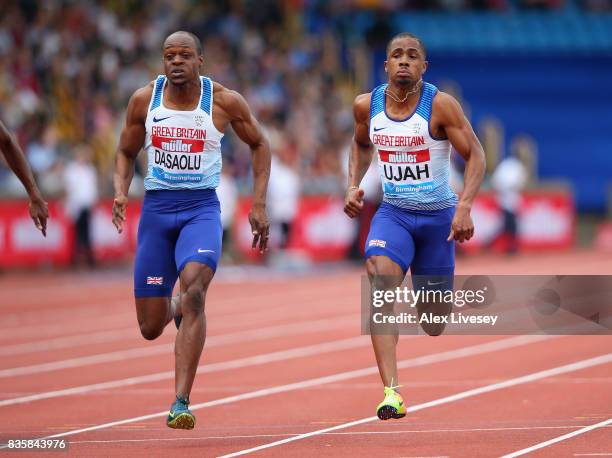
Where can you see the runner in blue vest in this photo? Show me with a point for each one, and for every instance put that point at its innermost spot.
(179, 120)
(411, 126)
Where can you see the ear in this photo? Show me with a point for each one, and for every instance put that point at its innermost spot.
(425, 65)
(386, 67)
(201, 60)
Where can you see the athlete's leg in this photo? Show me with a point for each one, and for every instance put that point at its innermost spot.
(389, 251)
(153, 315)
(385, 274)
(155, 268)
(198, 249)
(195, 279)
(433, 266)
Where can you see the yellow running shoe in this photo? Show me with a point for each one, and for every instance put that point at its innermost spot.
(180, 417)
(392, 406)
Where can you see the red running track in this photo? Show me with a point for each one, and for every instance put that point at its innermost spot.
(286, 369)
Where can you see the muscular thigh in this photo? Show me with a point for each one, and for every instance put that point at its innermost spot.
(434, 255)
(200, 238)
(155, 269)
(152, 311)
(194, 281)
(390, 236)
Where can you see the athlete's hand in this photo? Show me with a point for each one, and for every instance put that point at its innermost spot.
(353, 202)
(119, 208)
(462, 227)
(39, 213)
(260, 227)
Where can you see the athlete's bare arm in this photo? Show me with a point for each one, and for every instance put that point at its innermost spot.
(130, 143)
(448, 120)
(17, 162)
(235, 111)
(360, 156)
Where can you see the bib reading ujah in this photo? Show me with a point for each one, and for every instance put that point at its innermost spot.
(405, 171)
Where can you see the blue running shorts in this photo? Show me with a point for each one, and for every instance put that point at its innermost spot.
(176, 227)
(413, 239)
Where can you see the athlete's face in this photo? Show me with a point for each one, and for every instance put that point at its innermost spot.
(181, 60)
(405, 62)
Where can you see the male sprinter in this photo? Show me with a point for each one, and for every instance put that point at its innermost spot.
(17, 162)
(412, 126)
(179, 119)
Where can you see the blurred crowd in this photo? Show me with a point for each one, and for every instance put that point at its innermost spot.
(67, 69)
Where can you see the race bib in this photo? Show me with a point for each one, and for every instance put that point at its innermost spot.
(404, 172)
(178, 154)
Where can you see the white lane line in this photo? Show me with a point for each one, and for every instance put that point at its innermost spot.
(82, 361)
(21, 327)
(59, 328)
(237, 337)
(78, 340)
(555, 440)
(412, 362)
(309, 350)
(603, 359)
(343, 433)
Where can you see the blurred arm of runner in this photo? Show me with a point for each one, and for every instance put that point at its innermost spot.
(248, 130)
(17, 162)
(360, 156)
(448, 119)
(130, 143)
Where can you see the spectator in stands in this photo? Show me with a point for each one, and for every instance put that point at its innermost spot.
(227, 192)
(508, 181)
(77, 62)
(42, 152)
(81, 190)
(283, 195)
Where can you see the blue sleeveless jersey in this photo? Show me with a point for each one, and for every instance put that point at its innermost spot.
(414, 166)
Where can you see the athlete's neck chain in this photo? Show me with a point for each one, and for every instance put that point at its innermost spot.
(417, 86)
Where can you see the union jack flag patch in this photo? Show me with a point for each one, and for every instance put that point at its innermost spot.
(155, 280)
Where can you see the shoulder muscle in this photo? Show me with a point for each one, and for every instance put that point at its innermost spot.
(447, 109)
(232, 102)
(139, 103)
(361, 108)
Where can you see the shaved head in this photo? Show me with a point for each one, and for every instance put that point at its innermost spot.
(183, 59)
(181, 34)
(407, 35)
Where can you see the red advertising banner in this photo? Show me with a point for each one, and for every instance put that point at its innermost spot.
(21, 244)
(546, 220)
(320, 232)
